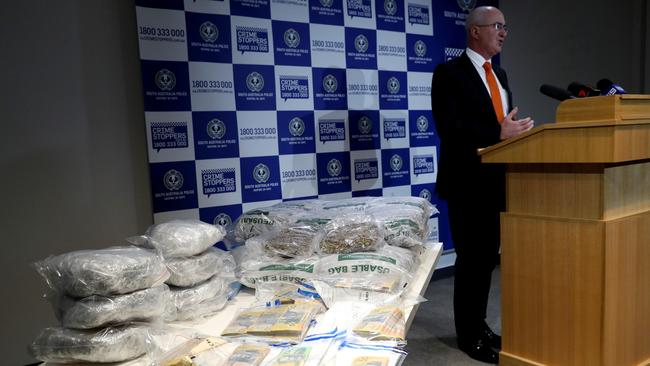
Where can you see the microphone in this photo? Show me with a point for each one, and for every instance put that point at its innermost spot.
(581, 90)
(555, 92)
(607, 87)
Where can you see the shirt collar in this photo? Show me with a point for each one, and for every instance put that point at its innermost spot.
(476, 59)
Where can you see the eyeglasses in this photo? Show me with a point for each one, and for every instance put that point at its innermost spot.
(498, 26)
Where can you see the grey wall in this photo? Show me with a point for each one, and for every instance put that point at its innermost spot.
(74, 163)
(553, 42)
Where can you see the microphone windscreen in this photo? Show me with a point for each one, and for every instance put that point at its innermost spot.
(580, 90)
(555, 92)
(603, 84)
(608, 87)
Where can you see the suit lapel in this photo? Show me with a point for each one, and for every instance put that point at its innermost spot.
(476, 81)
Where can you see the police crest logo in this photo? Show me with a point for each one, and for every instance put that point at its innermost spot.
(467, 5)
(261, 173)
(209, 32)
(255, 81)
(291, 38)
(365, 125)
(422, 123)
(426, 194)
(390, 7)
(216, 129)
(173, 180)
(222, 219)
(327, 3)
(361, 43)
(334, 168)
(296, 127)
(420, 48)
(165, 80)
(330, 84)
(393, 85)
(396, 162)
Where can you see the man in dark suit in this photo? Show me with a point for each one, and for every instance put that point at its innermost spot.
(472, 110)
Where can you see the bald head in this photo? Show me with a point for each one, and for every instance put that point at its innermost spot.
(482, 34)
(478, 16)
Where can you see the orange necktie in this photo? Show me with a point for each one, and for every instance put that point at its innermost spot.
(494, 91)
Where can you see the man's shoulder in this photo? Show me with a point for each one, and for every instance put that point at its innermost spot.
(453, 64)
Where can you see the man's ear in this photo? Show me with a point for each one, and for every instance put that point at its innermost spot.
(473, 32)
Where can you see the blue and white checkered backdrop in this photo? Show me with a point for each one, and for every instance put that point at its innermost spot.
(253, 102)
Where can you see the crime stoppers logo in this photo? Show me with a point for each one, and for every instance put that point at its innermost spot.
(173, 180)
(334, 167)
(418, 14)
(330, 84)
(361, 43)
(422, 124)
(393, 85)
(365, 125)
(165, 80)
(209, 32)
(216, 129)
(426, 194)
(296, 127)
(291, 38)
(360, 8)
(366, 169)
(261, 173)
(423, 164)
(467, 5)
(420, 48)
(222, 219)
(255, 82)
(390, 7)
(396, 162)
(217, 181)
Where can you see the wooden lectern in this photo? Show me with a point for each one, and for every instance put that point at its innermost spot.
(575, 262)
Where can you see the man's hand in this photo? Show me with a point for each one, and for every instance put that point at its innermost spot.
(511, 126)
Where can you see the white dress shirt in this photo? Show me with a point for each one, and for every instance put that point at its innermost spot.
(478, 61)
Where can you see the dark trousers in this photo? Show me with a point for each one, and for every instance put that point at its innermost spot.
(474, 222)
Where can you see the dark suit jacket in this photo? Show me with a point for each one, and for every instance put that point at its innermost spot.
(465, 121)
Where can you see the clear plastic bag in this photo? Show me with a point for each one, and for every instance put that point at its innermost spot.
(386, 260)
(279, 324)
(96, 311)
(201, 300)
(197, 351)
(255, 266)
(281, 293)
(347, 206)
(297, 240)
(356, 354)
(404, 226)
(383, 323)
(180, 238)
(256, 222)
(189, 271)
(374, 277)
(248, 355)
(374, 290)
(351, 233)
(110, 271)
(308, 353)
(424, 207)
(113, 344)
